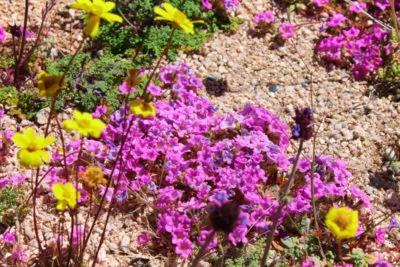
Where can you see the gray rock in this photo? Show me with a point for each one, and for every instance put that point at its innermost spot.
(42, 116)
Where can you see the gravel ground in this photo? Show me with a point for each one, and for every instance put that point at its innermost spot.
(354, 126)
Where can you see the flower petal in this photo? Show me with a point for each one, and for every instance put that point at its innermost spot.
(92, 26)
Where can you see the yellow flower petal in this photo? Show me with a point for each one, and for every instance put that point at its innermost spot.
(61, 205)
(92, 26)
(29, 159)
(110, 17)
(84, 5)
(20, 140)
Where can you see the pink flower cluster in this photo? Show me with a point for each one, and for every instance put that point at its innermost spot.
(364, 47)
(190, 158)
(264, 17)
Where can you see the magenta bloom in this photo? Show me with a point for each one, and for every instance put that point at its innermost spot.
(19, 254)
(9, 237)
(78, 235)
(28, 34)
(2, 34)
(382, 4)
(336, 20)
(286, 30)
(320, 3)
(184, 248)
(154, 90)
(100, 112)
(206, 4)
(357, 7)
(380, 236)
(143, 238)
(308, 263)
(125, 89)
(266, 17)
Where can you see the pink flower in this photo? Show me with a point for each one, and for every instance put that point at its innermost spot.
(286, 30)
(320, 3)
(308, 263)
(238, 235)
(382, 4)
(206, 4)
(28, 33)
(184, 248)
(17, 179)
(100, 112)
(357, 7)
(203, 237)
(266, 17)
(9, 237)
(154, 90)
(380, 236)
(336, 20)
(124, 89)
(4, 182)
(143, 238)
(78, 235)
(2, 34)
(18, 253)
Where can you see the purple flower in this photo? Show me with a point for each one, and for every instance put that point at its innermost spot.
(382, 4)
(266, 17)
(2, 34)
(357, 7)
(154, 90)
(4, 182)
(100, 112)
(303, 127)
(206, 4)
(351, 33)
(382, 263)
(125, 89)
(393, 223)
(9, 237)
(204, 234)
(380, 236)
(17, 179)
(336, 20)
(143, 238)
(238, 235)
(320, 3)
(286, 30)
(28, 33)
(184, 248)
(358, 193)
(229, 4)
(78, 235)
(308, 263)
(18, 253)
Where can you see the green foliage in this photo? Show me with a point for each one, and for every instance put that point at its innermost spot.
(12, 205)
(30, 104)
(147, 38)
(91, 80)
(8, 96)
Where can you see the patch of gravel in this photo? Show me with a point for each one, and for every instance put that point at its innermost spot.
(62, 30)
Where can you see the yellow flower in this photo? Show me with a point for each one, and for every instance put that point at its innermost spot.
(177, 17)
(85, 125)
(31, 153)
(98, 9)
(342, 222)
(94, 176)
(140, 107)
(48, 84)
(66, 195)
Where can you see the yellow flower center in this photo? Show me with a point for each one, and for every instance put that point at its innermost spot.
(343, 221)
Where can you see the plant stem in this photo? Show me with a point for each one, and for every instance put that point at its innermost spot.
(21, 51)
(394, 18)
(282, 203)
(340, 251)
(203, 249)
(35, 226)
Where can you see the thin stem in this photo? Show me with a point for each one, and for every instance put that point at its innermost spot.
(394, 18)
(202, 249)
(35, 226)
(282, 203)
(340, 251)
(21, 51)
